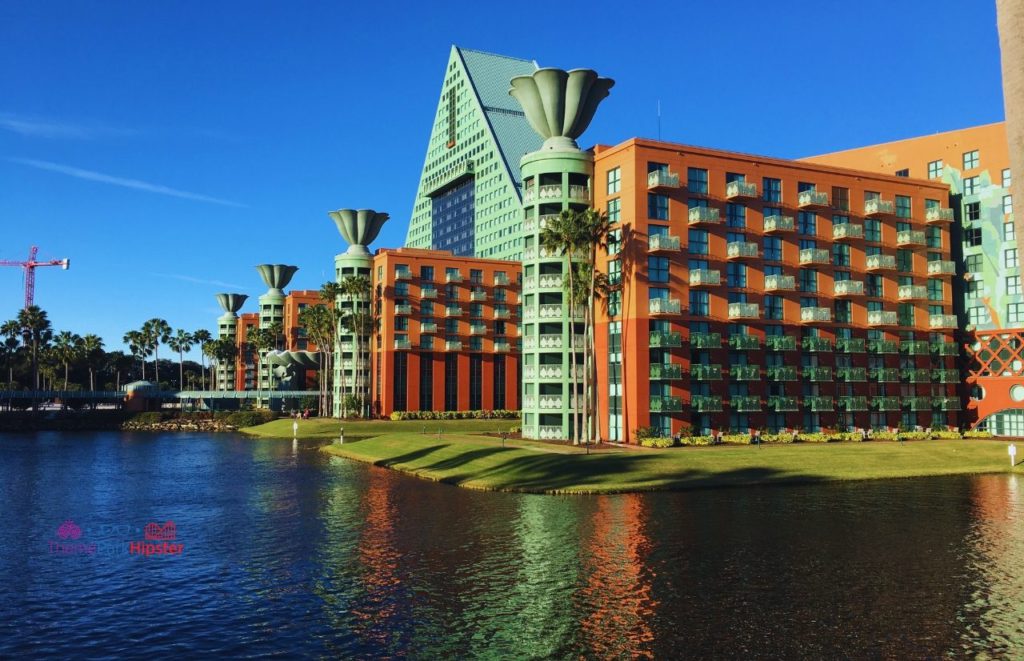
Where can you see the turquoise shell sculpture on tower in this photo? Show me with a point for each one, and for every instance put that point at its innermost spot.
(227, 327)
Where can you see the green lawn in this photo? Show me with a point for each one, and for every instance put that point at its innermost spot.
(462, 456)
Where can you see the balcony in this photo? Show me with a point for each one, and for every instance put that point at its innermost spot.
(815, 315)
(578, 193)
(814, 256)
(780, 403)
(779, 283)
(945, 348)
(662, 179)
(502, 314)
(947, 403)
(781, 373)
(502, 347)
(706, 403)
(780, 343)
(818, 403)
(699, 372)
(881, 263)
(452, 277)
(882, 318)
(735, 190)
(477, 329)
(664, 339)
(745, 403)
(704, 216)
(453, 345)
(662, 243)
(852, 374)
(885, 374)
(501, 280)
(402, 344)
(912, 293)
(848, 288)
(744, 311)
(887, 403)
(550, 192)
(666, 371)
(850, 344)
(879, 207)
(744, 372)
(741, 250)
(914, 347)
(552, 341)
(706, 340)
(938, 215)
(883, 346)
(663, 306)
(402, 273)
(663, 403)
(810, 199)
(847, 232)
(453, 311)
(941, 268)
(403, 309)
(550, 433)
(853, 403)
(744, 342)
(428, 292)
(817, 374)
(918, 403)
(705, 278)
(910, 238)
(478, 296)
(773, 224)
(942, 321)
(946, 376)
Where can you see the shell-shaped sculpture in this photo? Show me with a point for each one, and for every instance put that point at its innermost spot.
(231, 303)
(292, 359)
(276, 276)
(359, 227)
(560, 104)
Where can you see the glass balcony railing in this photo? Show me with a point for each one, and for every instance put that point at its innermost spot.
(662, 243)
(816, 344)
(918, 403)
(820, 373)
(780, 342)
(814, 256)
(402, 344)
(428, 328)
(744, 311)
(744, 372)
(477, 329)
(885, 374)
(886, 403)
(777, 282)
(705, 278)
(848, 288)
(744, 342)
(662, 179)
(942, 321)
(478, 296)
(879, 207)
(938, 215)
(706, 403)
(403, 274)
(908, 238)
(666, 371)
(502, 347)
(745, 403)
(945, 348)
(453, 311)
(739, 189)
(947, 403)
(815, 315)
(915, 347)
(665, 339)
(501, 280)
(452, 277)
(916, 374)
(781, 372)
(850, 344)
(812, 198)
(428, 292)
(940, 268)
(818, 403)
(663, 403)
(912, 293)
(773, 224)
(883, 346)
(847, 232)
(740, 250)
(403, 309)
(703, 215)
(699, 372)
(882, 318)
(781, 403)
(853, 403)
(852, 374)
(881, 263)
(946, 376)
(664, 306)
(706, 340)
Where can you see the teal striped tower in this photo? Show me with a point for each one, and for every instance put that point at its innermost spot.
(227, 327)
(359, 227)
(559, 106)
(276, 277)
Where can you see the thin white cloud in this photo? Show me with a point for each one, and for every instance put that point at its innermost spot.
(202, 281)
(136, 184)
(36, 127)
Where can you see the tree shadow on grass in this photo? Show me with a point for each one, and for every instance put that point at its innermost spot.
(419, 453)
(464, 458)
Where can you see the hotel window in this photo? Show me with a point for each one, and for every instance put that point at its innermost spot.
(476, 276)
(614, 210)
(1006, 178)
(1015, 313)
(735, 215)
(614, 242)
(902, 206)
(970, 159)
(426, 309)
(476, 310)
(734, 176)
(736, 275)
(808, 281)
(802, 186)
(904, 260)
(773, 307)
(499, 295)
(905, 314)
(842, 309)
(933, 237)
(872, 230)
(972, 211)
(971, 185)
(699, 303)
(972, 237)
(935, 169)
(840, 254)
(451, 327)
(1007, 204)
(1013, 285)
(977, 315)
(972, 263)
(772, 249)
(905, 172)
(427, 273)
(614, 302)
(841, 198)
(873, 285)
(657, 269)
(840, 220)
(401, 291)
(771, 189)
(698, 242)
(614, 181)
(1010, 258)
(935, 289)
(401, 323)
(426, 341)
(657, 206)
(973, 289)
(614, 272)
(657, 293)
(1009, 233)
(807, 223)
(697, 181)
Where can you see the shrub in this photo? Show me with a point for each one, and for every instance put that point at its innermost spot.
(696, 440)
(813, 437)
(249, 418)
(735, 439)
(647, 432)
(883, 436)
(913, 436)
(515, 429)
(946, 435)
(148, 418)
(977, 433)
(501, 414)
(781, 437)
(657, 442)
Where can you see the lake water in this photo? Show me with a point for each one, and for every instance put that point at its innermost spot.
(286, 551)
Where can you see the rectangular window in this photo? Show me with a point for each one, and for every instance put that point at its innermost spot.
(427, 273)
(451, 382)
(872, 230)
(499, 382)
(772, 249)
(614, 242)
(735, 215)
(1007, 204)
(614, 210)
(734, 176)
(736, 275)
(842, 310)
(657, 206)
(400, 375)
(972, 237)
(973, 289)
(935, 289)
(1015, 313)
(933, 237)
(808, 281)
(840, 254)
(977, 315)
(773, 307)
(935, 169)
(972, 263)
(614, 272)
(1006, 178)
(771, 189)
(905, 172)
(972, 211)
(657, 269)
(904, 260)
(426, 380)
(614, 302)
(905, 314)
(699, 302)
(614, 181)
(697, 181)
(971, 185)
(970, 159)
(807, 223)
(902, 206)
(1013, 285)
(1010, 258)
(1009, 233)
(698, 242)
(841, 198)
(476, 382)
(873, 285)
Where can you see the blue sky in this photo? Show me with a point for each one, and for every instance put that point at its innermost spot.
(169, 147)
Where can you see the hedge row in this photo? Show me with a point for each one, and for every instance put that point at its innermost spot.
(809, 437)
(233, 418)
(456, 415)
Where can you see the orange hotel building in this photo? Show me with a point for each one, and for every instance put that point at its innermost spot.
(447, 334)
(759, 293)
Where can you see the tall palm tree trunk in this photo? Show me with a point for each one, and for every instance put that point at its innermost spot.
(574, 400)
(1010, 20)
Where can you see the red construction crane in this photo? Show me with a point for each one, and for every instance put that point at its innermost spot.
(30, 271)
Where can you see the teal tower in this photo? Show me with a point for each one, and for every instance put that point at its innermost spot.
(227, 327)
(359, 227)
(559, 106)
(276, 277)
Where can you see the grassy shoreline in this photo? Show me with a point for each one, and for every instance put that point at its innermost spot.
(457, 452)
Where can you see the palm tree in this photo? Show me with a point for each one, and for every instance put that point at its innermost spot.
(357, 289)
(92, 349)
(156, 331)
(210, 351)
(137, 344)
(1010, 19)
(263, 340)
(36, 333)
(67, 348)
(201, 337)
(221, 351)
(11, 331)
(181, 342)
(320, 323)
